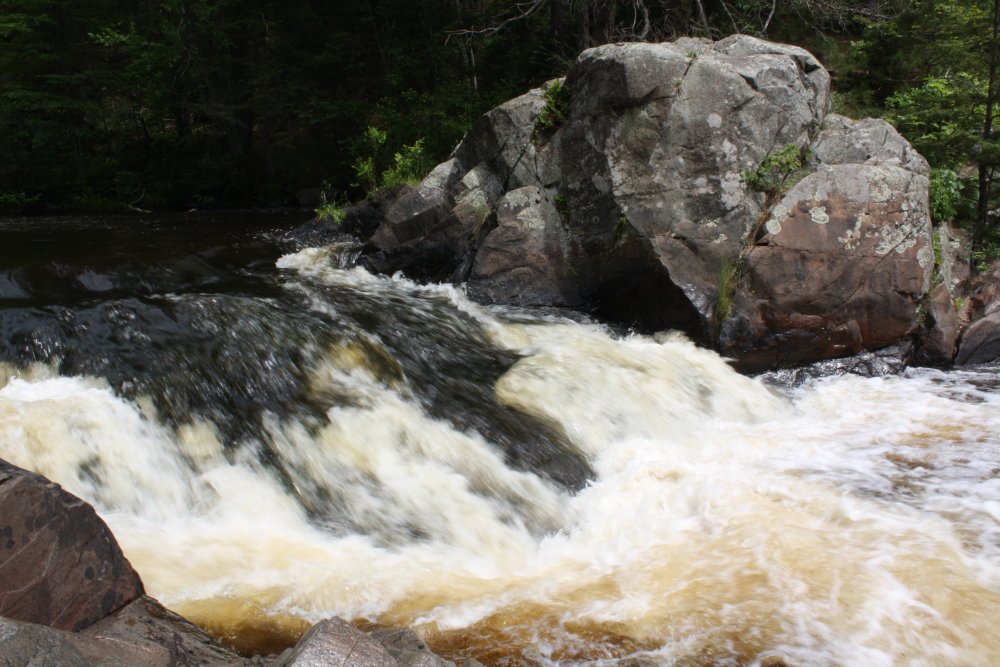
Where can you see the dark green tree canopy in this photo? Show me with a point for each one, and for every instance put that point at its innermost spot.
(178, 103)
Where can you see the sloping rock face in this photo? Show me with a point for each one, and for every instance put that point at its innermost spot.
(632, 208)
(59, 564)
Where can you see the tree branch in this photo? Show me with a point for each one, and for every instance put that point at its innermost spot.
(523, 9)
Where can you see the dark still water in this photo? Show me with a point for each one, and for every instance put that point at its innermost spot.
(276, 436)
(67, 260)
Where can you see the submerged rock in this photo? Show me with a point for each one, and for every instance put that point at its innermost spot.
(634, 207)
(890, 360)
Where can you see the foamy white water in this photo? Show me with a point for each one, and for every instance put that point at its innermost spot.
(850, 521)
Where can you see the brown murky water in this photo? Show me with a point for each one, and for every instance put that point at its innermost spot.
(519, 489)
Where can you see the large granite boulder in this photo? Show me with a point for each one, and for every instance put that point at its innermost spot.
(844, 259)
(59, 564)
(632, 208)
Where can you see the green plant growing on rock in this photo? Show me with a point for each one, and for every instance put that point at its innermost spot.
(408, 165)
(555, 113)
(562, 208)
(778, 171)
(621, 229)
(482, 211)
(730, 274)
(330, 209)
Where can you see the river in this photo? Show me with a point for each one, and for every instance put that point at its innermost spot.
(275, 437)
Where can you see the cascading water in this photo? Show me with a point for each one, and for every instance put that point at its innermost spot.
(274, 440)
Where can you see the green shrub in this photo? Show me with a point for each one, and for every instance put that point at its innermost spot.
(986, 252)
(409, 164)
(945, 193)
(15, 201)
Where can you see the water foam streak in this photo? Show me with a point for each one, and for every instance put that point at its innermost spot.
(848, 521)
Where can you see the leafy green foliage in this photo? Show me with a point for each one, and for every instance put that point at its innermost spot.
(408, 166)
(985, 253)
(198, 102)
(332, 211)
(945, 194)
(183, 103)
(555, 113)
(943, 117)
(331, 208)
(364, 165)
(15, 202)
(777, 170)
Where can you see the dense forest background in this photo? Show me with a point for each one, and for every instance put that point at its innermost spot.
(106, 104)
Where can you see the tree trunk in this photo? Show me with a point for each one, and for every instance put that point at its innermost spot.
(985, 168)
(703, 18)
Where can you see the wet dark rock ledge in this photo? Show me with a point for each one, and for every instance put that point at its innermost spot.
(70, 598)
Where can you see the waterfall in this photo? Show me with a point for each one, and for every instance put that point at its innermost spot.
(512, 484)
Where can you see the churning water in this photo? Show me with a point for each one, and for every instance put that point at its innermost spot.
(276, 438)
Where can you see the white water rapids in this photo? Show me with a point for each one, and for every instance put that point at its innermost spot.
(850, 521)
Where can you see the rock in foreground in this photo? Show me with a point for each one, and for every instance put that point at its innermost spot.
(69, 598)
(59, 564)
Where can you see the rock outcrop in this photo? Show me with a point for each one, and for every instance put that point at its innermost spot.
(637, 204)
(980, 341)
